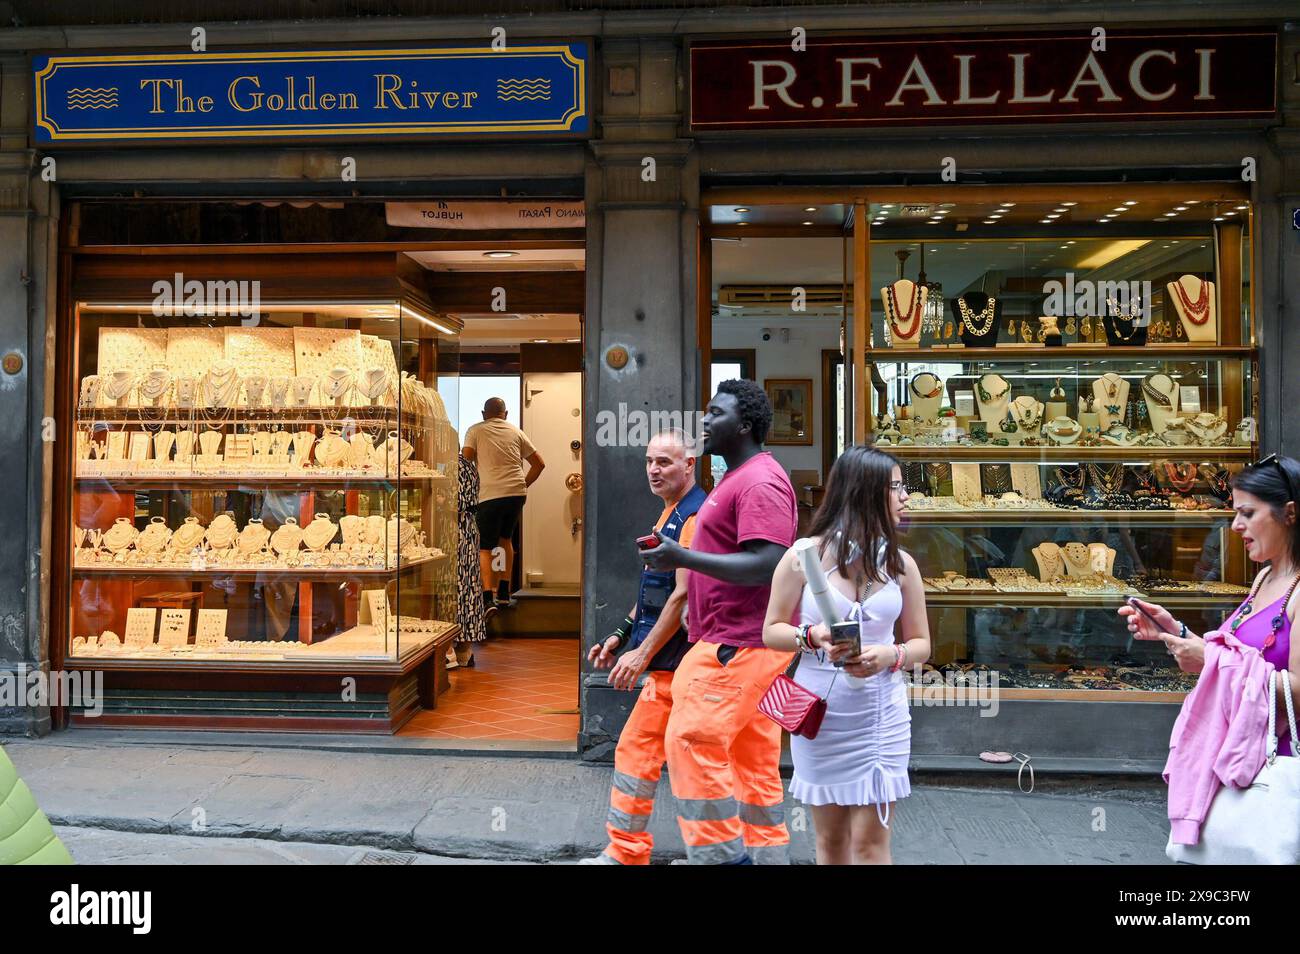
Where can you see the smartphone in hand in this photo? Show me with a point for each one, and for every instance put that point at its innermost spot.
(1133, 602)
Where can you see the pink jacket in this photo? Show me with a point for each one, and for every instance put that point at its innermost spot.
(1219, 737)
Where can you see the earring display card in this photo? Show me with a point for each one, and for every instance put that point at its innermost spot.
(140, 626)
(940, 478)
(192, 351)
(210, 629)
(174, 627)
(138, 448)
(317, 351)
(115, 447)
(914, 477)
(239, 446)
(374, 608)
(995, 479)
(966, 483)
(1026, 481)
(130, 349)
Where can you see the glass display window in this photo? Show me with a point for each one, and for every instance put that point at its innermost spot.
(265, 485)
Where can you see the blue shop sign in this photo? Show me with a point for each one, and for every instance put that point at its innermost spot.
(323, 93)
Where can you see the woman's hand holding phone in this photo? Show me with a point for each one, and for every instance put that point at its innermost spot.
(1148, 620)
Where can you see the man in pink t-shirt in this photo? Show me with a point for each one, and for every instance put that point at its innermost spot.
(723, 754)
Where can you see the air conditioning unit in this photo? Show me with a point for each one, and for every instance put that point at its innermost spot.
(755, 301)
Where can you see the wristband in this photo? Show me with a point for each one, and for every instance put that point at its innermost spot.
(801, 638)
(624, 631)
(1182, 633)
(900, 652)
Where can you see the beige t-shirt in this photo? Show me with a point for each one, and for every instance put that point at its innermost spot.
(500, 449)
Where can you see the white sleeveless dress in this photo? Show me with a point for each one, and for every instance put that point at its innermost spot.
(860, 755)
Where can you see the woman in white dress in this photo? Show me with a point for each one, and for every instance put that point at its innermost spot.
(855, 770)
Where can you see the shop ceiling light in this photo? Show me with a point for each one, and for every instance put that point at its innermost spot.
(1219, 218)
(990, 221)
(1180, 208)
(1111, 251)
(1054, 215)
(1044, 221)
(1242, 208)
(1007, 205)
(500, 254)
(811, 208)
(741, 208)
(1130, 202)
(807, 223)
(1069, 203)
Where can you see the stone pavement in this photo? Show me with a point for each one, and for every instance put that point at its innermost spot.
(118, 802)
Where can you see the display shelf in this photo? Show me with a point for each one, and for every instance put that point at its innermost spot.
(264, 574)
(203, 482)
(1002, 518)
(981, 599)
(1006, 353)
(325, 416)
(994, 453)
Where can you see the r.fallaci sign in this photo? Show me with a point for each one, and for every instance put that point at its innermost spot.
(325, 93)
(848, 81)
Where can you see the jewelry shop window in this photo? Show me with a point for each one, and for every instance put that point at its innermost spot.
(275, 484)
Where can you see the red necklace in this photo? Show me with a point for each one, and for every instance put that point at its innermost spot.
(1180, 477)
(1197, 312)
(898, 312)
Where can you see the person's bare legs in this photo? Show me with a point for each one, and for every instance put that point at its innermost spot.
(832, 825)
(870, 839)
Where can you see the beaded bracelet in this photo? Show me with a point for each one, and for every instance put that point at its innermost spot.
(900, 653)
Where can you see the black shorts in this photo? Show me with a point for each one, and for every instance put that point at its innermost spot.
(497, 520)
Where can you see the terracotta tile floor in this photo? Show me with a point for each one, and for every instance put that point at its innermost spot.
(525, 689)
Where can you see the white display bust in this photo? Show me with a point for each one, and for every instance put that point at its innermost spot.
(1194, 303)
(904, 302)
(1111, 392)
(997, 390)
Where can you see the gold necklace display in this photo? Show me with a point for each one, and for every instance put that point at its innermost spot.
(981, 322)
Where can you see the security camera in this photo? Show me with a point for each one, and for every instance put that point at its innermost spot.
(767, 334)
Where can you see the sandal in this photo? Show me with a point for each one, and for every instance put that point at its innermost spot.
(1023, 759)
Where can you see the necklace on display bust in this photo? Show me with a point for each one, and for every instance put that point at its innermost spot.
(337, 383)
(985, 396)
(984, 317)
(1163, 398)
(89, 390)
(221, 384)
(1108, 479)
(374, 382)
(938, 386)
(904, 323)
(278, 391)
(302, 386)
(1058, 392)
(1197, 312)
(156, 384)
(1077, 555)
(1072, 480)
(1182, 476)
(118, 385)
(1027, 414)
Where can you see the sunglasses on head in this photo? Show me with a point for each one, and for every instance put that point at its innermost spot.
(1273, 459)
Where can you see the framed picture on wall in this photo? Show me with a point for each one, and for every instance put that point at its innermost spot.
(792, 413)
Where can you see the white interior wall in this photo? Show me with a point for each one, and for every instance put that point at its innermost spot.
(801, 357)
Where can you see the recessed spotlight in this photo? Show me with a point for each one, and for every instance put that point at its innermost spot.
(1105, 220)
(1231, 212)
(1111, 215)
(741, 208)
(1044, 221)
(1007, 205)
(1054, 215)
(811, 208)
(1191, 201)
(500, 254)
(1219, 218)
(934, 251)
(742, 223)
(807, 223)
(1060, 210)
(1069, 203)
(1180, 208)
(1119, 208)
(1065, 246)
(1171, 215)
(1071, 242)
(1130, 202)
(990, 221)
(1242, 208)
(541, 341)
(888, 205)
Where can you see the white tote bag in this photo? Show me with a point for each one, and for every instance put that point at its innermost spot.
(1259, 825)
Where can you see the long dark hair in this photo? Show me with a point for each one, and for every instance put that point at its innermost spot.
(854, 516)
(1276, 481)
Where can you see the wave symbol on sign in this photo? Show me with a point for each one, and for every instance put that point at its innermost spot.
(92, 98)
(508, 89)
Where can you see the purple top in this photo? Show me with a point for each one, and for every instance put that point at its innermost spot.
(1253, 632)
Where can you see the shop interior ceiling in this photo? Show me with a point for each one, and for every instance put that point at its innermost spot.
(495, 331)
(958, 258)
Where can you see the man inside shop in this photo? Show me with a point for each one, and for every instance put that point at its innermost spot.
(657, 642)
(500, 450)
(723, 754)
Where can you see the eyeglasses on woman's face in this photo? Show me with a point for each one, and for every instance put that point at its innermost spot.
(896, 486)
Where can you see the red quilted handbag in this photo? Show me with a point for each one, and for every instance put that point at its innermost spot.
(792, 707)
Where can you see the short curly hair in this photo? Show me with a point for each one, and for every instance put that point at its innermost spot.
(751, 404)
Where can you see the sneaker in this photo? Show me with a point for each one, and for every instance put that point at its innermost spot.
(601, 859)
(452, 662)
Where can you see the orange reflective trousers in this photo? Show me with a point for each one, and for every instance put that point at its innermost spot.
(638, 763)
(724, 757)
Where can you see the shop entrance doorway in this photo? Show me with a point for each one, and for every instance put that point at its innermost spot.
(518, 687)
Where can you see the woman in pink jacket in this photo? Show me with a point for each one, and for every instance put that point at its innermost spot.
(1265, 497)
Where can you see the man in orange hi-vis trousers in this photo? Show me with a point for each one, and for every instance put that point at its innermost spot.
(723, 754)
(658, 643)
